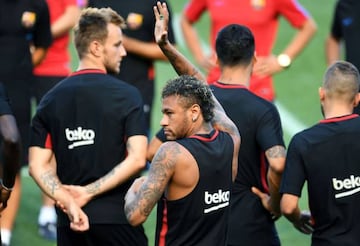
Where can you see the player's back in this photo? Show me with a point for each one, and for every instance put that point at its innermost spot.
(88, 116)
(330, 153)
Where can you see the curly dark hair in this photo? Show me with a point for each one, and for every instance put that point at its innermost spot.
(192, 91)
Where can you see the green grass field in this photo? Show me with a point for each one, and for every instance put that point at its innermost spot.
(296, 92)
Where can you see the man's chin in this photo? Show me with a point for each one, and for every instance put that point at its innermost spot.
(170, 137)
(113, 71)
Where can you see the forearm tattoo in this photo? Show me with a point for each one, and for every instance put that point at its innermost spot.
(277, 151)
(160, 173)
(50, 181)
(94, 187)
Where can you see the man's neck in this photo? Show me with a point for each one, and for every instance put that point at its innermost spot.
(90, 64)
(338, 110)
(235, 76)
(201, 128)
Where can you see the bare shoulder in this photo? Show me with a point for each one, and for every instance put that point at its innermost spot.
(170, 156)
(168, 153)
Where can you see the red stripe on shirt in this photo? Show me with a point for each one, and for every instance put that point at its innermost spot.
(263, 171)
(205, 138)
(164, 227)
(341, 118)
(86, 71)
(229, 86)
(48, 143)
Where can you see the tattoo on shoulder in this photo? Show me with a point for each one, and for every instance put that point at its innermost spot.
(276, 152)
(160, 173)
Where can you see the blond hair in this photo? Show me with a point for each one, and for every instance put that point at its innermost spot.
(92, 26)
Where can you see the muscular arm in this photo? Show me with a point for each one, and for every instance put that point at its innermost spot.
(130, 166)
(276, 158)
(146, 191)
(290, 208)
(184, 67)
(149, 50)
(66, 21)
(42, 168)
(222, 122)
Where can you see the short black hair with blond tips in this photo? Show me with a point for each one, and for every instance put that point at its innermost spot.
(192, 91)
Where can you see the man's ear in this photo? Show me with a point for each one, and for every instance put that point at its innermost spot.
(357, 100)
(96, 48)
(195, 112)
(216, 59)
(254, 58)
(321, 94)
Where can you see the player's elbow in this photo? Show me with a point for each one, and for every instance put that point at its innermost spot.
(310, 27)
(278, 167)
(141, 163)
(138, 161)
(135, 218)
(287, 208)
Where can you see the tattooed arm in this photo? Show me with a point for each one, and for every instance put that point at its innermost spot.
(184, 67)
(42, 168)
(276, 158)
(146, 191)
(130, 166)
(275, 153)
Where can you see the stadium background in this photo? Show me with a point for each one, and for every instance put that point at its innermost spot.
(297, 100)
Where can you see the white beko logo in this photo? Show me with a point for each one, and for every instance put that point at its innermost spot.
(217, 200)
(348, 186)
(79, 137)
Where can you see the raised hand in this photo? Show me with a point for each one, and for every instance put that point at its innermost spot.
(161, 25)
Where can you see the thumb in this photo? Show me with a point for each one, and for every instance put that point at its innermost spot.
(75, 217)
(257, 192)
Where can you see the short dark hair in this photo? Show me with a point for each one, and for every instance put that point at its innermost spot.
(342, 80)
(235, 45)
(192, 91)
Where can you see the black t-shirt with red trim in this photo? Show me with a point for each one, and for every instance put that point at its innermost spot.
(86, 120)
(327, 157)
(260, 128)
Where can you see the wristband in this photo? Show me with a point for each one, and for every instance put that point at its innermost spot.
(4, 187)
